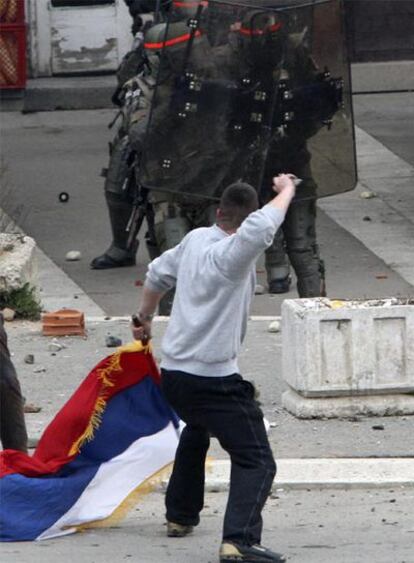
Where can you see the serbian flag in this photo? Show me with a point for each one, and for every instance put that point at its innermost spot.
(110, 443)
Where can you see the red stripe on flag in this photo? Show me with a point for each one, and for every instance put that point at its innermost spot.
(70, 423)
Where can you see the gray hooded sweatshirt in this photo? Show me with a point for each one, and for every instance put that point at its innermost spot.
(215, 275)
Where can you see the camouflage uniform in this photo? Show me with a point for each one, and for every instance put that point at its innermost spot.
(296, 240)
(267, 47)
(175, 215)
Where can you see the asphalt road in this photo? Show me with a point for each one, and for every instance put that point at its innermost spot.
(318, 526)
(47, 153)
(389, 118)
(54, 376)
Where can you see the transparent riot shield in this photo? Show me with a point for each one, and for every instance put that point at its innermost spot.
(332, 148)
(240, 96)
(211, 114)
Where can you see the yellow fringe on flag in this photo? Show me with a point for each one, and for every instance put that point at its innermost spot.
(106, 375)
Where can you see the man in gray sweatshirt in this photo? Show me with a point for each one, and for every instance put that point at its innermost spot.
(213, 271)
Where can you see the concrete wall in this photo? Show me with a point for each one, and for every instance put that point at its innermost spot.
(381, 44)
(380, 30)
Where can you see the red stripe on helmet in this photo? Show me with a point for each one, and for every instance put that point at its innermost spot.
(189, 4)
(171, 42)
(270, 28)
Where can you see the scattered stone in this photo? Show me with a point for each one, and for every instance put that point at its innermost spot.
(366, 218)
(40, 369)
(378, 427)
(55, 346)
(73, 255)
(29, 359)
(112, 341)
(30, 408)
(273, 424)
(367, 194)
(259, 289)
(8, 314)
(274, 326)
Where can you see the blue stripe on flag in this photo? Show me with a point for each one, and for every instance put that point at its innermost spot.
(139, 411)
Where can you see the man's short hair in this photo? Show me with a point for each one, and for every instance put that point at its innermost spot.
(237, 201)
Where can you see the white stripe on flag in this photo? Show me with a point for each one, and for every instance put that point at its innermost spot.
(116, 479)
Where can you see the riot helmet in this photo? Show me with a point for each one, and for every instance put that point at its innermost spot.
(262, 38)
(183, 10)
(177, 45)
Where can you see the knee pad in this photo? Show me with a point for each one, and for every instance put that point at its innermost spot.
(116, 176)
(171, 232)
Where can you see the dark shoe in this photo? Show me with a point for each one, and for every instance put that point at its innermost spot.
(178, 530)
(232, 552)
(105, 262)
(279, 286)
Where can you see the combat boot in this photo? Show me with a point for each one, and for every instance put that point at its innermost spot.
(121, 253)
(237, 553)
(115, 257)
(280, 285)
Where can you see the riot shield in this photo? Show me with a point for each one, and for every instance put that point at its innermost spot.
(332, 148)
(238, 94)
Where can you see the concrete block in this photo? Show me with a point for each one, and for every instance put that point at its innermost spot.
(69, 93)
(348, 348)
(18, 265)
(345, 407)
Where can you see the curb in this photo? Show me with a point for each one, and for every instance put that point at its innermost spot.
(327, 473)
(161, 319)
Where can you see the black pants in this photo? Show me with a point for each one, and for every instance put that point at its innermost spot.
(224, 407)
(13, 433)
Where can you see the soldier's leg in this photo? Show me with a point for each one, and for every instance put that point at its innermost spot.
(277, 265)
(300, 235)
(169, 229)
(175, 219)
(119, 200)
